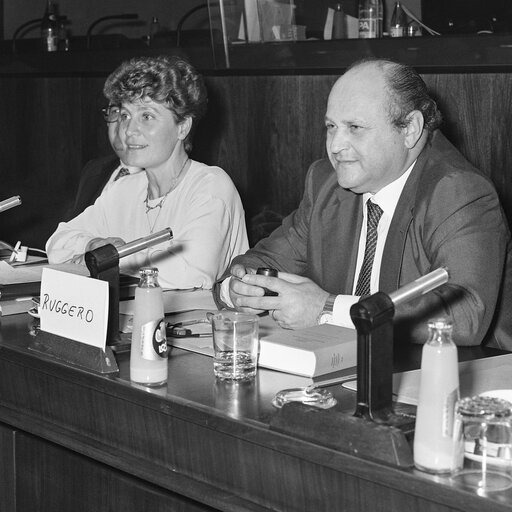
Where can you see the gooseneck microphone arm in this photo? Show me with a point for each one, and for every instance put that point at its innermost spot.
(21, 28)
(142, 243)
(128, 16)
(419, 287)
(7, 204)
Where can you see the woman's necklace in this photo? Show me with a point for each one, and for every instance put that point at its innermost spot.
(159, 205)
(174, 182)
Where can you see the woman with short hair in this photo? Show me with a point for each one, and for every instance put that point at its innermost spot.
(157, 102)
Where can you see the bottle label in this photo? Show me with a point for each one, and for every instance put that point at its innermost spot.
(368, 28)
(449, 413)
(153, 341)
(397, 32)
(51, 42)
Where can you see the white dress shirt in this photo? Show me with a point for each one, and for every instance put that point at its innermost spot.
(387, 198)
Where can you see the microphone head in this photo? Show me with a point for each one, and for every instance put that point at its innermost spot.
(10, 203)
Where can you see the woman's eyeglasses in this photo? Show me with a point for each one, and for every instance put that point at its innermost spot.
(111, 113)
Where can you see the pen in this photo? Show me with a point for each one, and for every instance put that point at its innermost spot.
(333, 381)
(15, 252)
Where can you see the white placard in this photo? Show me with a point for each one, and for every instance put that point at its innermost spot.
(74, 307)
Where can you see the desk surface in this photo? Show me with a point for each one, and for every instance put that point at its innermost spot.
(205, 439)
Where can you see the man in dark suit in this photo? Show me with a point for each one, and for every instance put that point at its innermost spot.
(433, 210)
(97, 173)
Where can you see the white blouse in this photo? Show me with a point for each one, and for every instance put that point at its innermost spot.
(204, 212)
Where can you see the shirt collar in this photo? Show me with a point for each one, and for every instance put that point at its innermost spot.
(130, 168)
(387, 197)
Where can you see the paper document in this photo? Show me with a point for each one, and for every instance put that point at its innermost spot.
(178, 300)
(308, 352)
(32, 273)
(204, 345)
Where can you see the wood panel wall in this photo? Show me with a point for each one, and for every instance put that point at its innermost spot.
(263, 130)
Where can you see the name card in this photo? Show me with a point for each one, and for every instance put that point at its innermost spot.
(74, 307)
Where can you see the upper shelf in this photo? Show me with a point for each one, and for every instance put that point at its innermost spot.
(428, 54)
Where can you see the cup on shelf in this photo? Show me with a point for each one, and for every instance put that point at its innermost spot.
(235, 345)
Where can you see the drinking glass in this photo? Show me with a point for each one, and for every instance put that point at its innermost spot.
(483, 431)
(235, 345)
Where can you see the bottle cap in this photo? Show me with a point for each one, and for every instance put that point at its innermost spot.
(148, 271)
(440, 324)
(484, 407)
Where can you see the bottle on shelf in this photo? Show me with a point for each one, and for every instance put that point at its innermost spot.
(398, 23)
(370, 19)
(148, 356)
(50, 28)
(414, 29)
(154, 29)
(339, 23)
(63, 36)
(435, 446)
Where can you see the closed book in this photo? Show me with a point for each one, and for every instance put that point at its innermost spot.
(15, 306)
(177, 300)
(309, 352)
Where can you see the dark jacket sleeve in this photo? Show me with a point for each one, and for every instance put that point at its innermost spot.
(285, 249)
(459, 226)
(93, 178)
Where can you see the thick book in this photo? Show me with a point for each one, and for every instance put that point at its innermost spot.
(177, 300)
(309, 352)
(16, 306)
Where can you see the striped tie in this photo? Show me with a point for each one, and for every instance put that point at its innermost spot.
(365, 274)
(122, 172)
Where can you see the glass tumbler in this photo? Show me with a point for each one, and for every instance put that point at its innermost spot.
(483, 429)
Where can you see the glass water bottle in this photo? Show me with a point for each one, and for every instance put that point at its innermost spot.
(370, 19)
(398, 24)
(435, 447)
(148, 357)
(50, 28)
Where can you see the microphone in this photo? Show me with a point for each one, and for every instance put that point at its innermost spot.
(144, 242)
(420, 286)
(128, 16)
(106, 257)
(10, 203)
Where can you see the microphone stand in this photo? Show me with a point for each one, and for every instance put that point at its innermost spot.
(129, 16)
(373, 318)
(375, 431)
(103, 263)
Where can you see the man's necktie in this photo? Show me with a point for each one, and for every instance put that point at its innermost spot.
(365, 274)
(122, 172)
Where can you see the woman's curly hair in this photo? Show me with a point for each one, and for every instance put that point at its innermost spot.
(171, 81)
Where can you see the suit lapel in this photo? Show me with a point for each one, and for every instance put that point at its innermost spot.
(394, 248)
(341, 222)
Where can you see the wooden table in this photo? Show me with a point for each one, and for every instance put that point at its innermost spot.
(75, 441)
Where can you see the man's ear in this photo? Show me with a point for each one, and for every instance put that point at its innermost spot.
(184, 128)
(414, 128)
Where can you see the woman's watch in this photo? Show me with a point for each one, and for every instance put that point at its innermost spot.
(325, 316)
